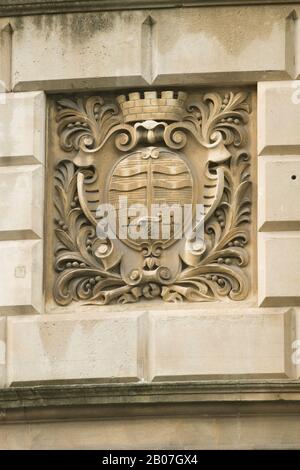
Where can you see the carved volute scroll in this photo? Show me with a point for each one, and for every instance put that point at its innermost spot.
(152, 148)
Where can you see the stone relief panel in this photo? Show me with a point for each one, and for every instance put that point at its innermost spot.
(150, 196)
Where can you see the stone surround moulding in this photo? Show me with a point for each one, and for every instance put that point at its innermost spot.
(35, 7)
(86, 401)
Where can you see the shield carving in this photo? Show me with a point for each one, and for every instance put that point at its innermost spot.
(147, 181)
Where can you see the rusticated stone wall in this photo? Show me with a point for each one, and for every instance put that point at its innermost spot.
(240, 66)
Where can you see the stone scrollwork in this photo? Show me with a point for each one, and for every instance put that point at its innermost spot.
(152, 148)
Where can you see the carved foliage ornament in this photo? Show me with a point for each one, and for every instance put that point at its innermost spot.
(152, 148)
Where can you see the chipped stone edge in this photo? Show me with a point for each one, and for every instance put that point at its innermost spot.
(101, 401)
(39, 7)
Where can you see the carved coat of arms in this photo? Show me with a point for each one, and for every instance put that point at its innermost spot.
(152, 151)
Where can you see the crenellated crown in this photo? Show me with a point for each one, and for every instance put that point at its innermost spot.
(153, 105)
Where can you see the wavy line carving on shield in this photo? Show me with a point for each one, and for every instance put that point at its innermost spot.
(149, 177)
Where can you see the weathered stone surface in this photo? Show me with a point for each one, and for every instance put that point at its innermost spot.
(21, 276)
(6, 33)
(122, 345)
(67, 347)
(278, 191)
(198, 415)
(202, 45)
(133, 48)
(296, 342)
(25, 7)
(198, 432)
(22, 128)
(78, 51)
(211, 344)
(104, 397)
(279, 268)
(21, 202)
(3, 351)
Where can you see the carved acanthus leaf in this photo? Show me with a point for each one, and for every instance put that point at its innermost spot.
(84, 123)
(212, 120)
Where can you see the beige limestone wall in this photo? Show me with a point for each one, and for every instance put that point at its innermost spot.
(179, 47)
(136, 48)
(22, 158)
(279, 193)
(140, 345)
(198, 432)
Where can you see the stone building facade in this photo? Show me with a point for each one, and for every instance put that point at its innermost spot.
(166, 343)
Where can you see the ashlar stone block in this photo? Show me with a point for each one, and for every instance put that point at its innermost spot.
(200, 344)
(198, 45)
(85, 50)
(21, 202)
(21, 276)
(279, 268)
(278, 118)
(22, 128)
(66, 347)
(279, 193)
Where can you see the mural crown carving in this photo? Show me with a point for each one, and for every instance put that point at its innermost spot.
(164, 105)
